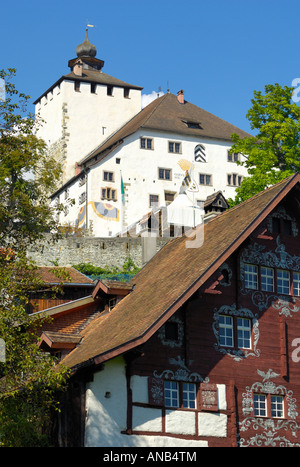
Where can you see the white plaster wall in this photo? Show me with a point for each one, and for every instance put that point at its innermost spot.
(92, 117)
(139, 169)
(106, 417)
(49, 109)
(212, 424)
(180, 422)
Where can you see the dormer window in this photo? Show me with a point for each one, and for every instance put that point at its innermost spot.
(194, 125)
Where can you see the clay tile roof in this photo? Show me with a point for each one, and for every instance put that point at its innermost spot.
(166, 114)
(55, 275)
(172, 276)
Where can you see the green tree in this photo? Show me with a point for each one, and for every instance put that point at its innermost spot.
(27, 176)
(274, 152)
(29, 379)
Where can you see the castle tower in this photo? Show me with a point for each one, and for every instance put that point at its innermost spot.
(82, 108)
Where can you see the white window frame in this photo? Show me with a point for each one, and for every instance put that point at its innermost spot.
(251, 276)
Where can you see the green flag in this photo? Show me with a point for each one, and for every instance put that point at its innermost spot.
(122, 191)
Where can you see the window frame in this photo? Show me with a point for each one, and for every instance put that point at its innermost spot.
(180, 392)
(107, 174)
(146, 146)
(108, 193)
(289, 285)
(165, 170)
(205, 175)
(234, 327)
(153, 203)
(174, 143)
(252, 273)
(269, 400)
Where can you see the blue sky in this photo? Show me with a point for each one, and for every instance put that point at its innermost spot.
(218, 51)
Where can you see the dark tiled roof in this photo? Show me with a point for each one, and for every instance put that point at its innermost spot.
(172, 276)
(166, 114)
(91, 76)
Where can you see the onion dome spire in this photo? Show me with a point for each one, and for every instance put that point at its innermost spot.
(86, 49)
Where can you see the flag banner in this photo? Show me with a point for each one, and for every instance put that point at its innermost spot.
(122, 191)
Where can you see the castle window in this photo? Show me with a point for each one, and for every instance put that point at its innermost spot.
(146, 143)
(205, 179)
(93, 88)
(126, 93)
(77, 86)
(109, 194)
(233, 157)
(108, 176)
(82, 198)
(164, 174)
(234, 179)
(174, 147)
(153, 200)
(110, 90)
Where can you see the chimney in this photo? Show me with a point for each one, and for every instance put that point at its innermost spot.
(180, 96)
(77, 69)
(77, 169)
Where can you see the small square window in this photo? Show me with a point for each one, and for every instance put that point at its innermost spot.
(108, 176)
(153, 200)
(164, 174)
(205, 179)
(146, 143)
(174, 147)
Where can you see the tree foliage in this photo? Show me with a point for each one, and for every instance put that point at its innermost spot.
(27, 176)
(29, 378)
(274, 153)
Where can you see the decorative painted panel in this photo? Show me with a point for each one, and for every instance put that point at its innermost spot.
(269, 427)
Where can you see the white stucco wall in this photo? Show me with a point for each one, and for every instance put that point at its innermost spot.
(106, 409)
(88, 118)
(139, 169)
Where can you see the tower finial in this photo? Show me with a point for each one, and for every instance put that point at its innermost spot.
(86, 49)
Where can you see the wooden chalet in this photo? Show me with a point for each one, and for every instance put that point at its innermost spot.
(201, 348)
(58, 286)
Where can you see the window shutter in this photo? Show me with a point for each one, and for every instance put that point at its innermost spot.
(156, 391)
(209, 397)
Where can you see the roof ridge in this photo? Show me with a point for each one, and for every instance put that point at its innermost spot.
(257, 195)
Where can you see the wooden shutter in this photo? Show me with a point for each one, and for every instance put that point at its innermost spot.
(209, 397)
(156, 391)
